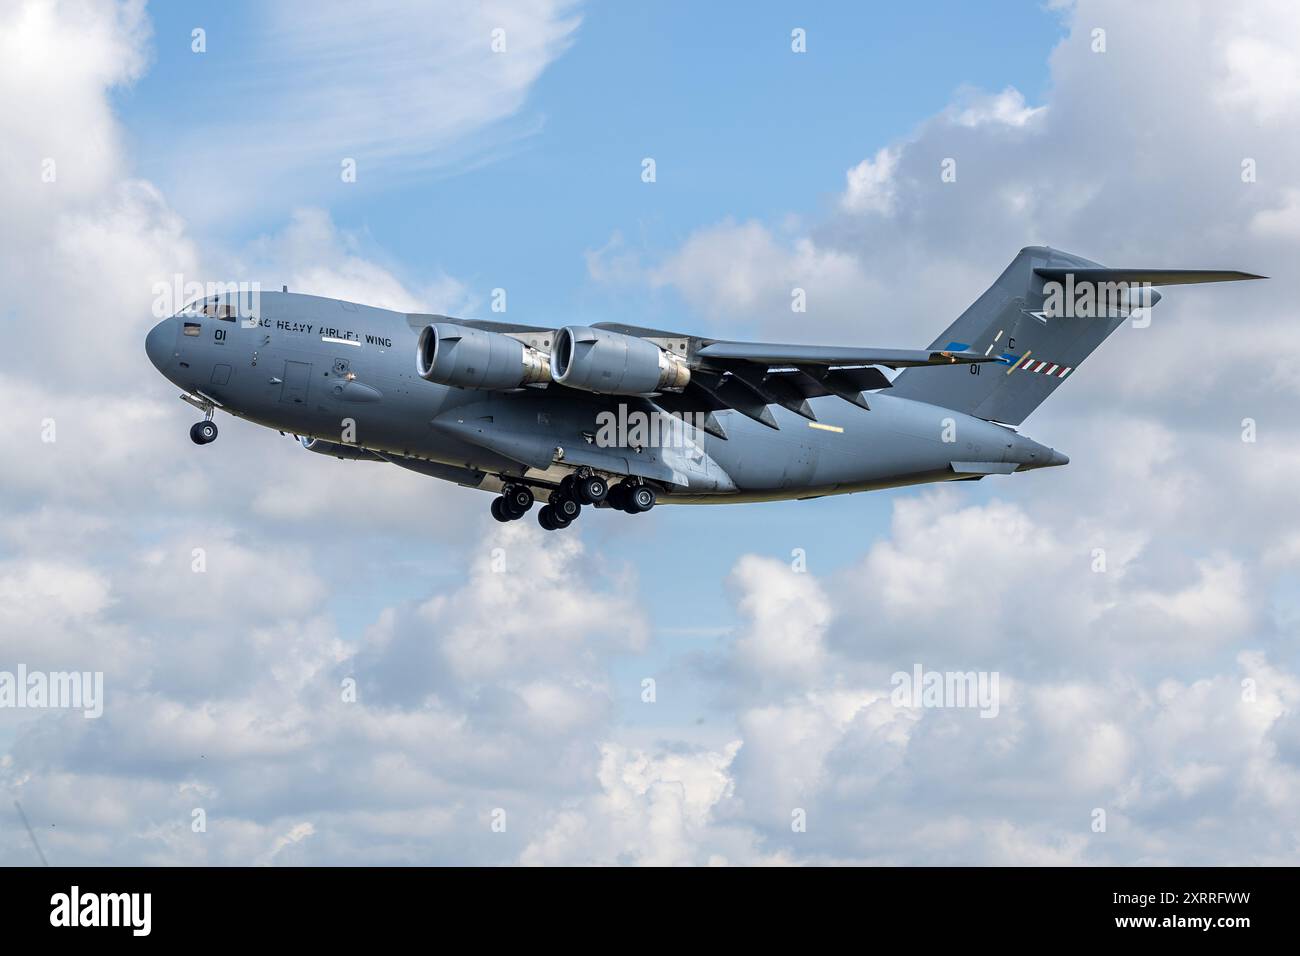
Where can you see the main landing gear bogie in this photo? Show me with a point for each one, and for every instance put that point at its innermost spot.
(562, 510)
(632, 498)
(551, 520)
(576, 491)
(640, 499)
(513, 503)
(589, 489)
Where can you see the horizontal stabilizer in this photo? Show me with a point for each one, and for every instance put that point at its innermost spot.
(1152, 276)
(1044, 315)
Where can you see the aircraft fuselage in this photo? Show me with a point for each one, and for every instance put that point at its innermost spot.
(345, 374)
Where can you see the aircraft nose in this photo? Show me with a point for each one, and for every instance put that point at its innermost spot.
(160, 343)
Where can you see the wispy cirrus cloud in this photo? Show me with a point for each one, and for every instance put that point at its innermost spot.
(394, 86)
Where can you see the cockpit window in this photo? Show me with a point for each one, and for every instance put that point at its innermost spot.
(192, 328)
(214, 307)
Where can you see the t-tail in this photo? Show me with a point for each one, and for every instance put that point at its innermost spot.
(1043, 316)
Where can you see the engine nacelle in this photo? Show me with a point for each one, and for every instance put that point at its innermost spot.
(473, 358)
(611, 363)
(337, 449)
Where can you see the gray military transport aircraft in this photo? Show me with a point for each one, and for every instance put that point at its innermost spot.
(616, 416)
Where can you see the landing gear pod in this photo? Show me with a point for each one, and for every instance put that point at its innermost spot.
(463, 357)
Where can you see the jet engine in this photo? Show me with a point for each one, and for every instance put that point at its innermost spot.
(611, 363)
(473, 358)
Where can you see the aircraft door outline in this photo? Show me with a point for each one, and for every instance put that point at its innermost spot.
(297, 379)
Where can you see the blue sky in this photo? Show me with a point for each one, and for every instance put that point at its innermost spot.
(773, 135)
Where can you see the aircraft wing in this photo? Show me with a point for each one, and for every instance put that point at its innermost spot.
(830, 355)
(748, 377)
(713, 375)
(418, 320)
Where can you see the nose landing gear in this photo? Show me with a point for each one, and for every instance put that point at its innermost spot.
(204, 432)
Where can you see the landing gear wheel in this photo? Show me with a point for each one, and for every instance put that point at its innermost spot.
(546, 518)
(498, 510)
(203, 433)
(518, 499)
(590, 490)
(616, 498)
(641, 500)
(565, 509)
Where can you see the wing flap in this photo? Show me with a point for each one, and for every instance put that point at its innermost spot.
(735, 393)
